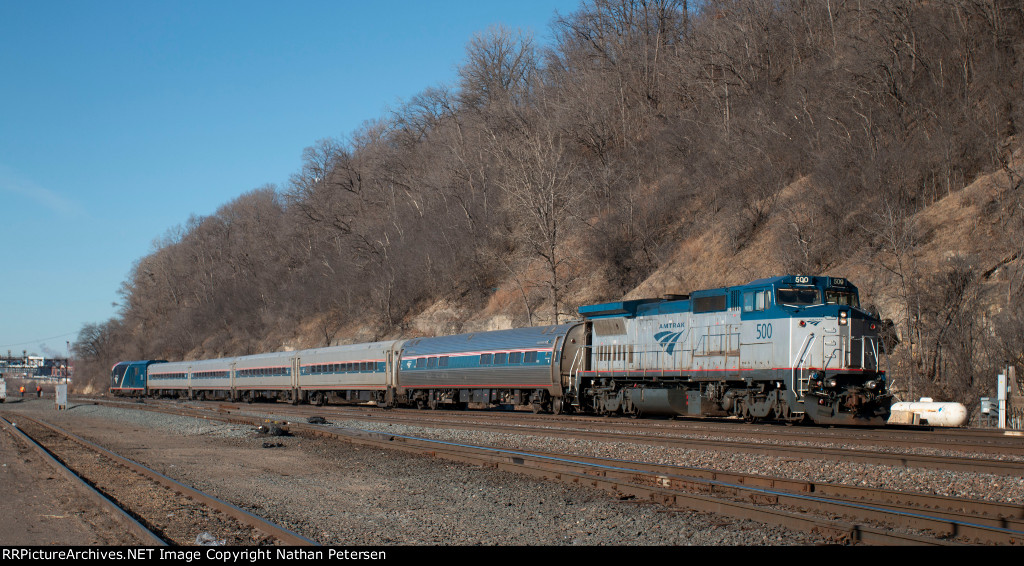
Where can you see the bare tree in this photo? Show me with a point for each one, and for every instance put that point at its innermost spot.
(544, 198)
(500, 67)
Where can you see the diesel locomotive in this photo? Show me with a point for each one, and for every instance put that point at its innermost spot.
(792, 348)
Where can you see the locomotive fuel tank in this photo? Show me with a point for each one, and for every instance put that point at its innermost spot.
(661, 402)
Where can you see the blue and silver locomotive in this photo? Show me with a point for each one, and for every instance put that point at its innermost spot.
(789, 348)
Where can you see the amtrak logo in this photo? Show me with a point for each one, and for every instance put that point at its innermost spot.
(668, 340)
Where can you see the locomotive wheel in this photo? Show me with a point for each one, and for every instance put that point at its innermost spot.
(432, 403)
(556, 406)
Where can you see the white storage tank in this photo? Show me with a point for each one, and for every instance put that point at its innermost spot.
(928, 412)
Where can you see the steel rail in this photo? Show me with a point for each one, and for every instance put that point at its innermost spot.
(652, 479)
(897, 436)
(670, 486)
(623, 481)
(990, 513)
(672, 494)
(133, 525)
(907, 460)
(259, 523)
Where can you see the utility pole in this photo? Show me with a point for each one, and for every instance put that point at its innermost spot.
(1001, 387)
(1014, 399)
(1008, 395)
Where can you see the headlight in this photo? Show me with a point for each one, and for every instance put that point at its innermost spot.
(871, 385)
(832, 383)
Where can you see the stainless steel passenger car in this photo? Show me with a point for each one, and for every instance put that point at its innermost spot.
(349, 373)
(169, 380)
(262, 375)
(210, 379)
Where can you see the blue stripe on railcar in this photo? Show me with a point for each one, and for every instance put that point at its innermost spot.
(335, 368)
(263, 372)
(487, 360)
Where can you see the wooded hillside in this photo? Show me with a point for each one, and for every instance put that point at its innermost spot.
(653, 147)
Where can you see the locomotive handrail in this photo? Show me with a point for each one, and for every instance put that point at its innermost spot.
(865, 343)
(574, 370)
(799, 363)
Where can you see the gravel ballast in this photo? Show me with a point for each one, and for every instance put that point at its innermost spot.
(340, 494)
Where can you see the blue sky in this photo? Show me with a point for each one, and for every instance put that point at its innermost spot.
(119, 120)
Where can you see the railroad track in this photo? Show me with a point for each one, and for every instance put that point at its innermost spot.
(740, 498)
(137, 532)
(842, 513)
(796, 447)
(162, 510)
(1006, 445)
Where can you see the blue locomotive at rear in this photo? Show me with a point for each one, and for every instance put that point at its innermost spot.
(789, 348)
(131, 378)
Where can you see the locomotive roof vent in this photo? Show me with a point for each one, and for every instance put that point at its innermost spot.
(674, 297)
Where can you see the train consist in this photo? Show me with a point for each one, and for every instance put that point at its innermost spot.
(791, 348)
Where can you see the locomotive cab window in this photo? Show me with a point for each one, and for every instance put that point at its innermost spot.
(756, 300)
(798, 297)
(844, 298)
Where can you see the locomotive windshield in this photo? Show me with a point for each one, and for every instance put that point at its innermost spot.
(798, 297)
(845, 298)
